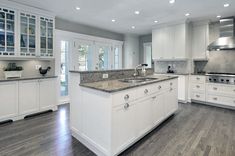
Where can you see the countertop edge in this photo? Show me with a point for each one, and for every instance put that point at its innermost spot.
(129, 87)
(27, 78)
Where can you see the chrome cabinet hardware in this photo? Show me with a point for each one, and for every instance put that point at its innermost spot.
(215, 88)
(198, 78)
(126, 97)
(126, 105)
(156, 97)
(146, 91)
(171, 89)
(198, 96)
(215, 98)
(198, 86)
(159, 87)
(171, 83)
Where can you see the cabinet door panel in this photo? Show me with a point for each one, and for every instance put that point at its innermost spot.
(124, 126)
(28, 97)
(157, 44)
(158, 108)
(9, 97)
(47, 94)
(171, 101)
(180, 41)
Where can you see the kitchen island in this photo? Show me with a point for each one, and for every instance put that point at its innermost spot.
(110, 116)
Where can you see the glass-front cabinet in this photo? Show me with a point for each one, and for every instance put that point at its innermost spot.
(27, 35)
(7, 32)
(46, 37)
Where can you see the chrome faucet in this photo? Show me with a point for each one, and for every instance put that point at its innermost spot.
(136, 73)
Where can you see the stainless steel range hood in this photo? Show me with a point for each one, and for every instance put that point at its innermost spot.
(227, 36)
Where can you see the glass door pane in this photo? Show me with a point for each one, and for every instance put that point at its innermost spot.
(148, 54)
(64, 68)
(103, 56)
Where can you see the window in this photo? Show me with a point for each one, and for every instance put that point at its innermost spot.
(64, 68)
(83, 57)
(103, 56)
(148, 54)
(117, 57)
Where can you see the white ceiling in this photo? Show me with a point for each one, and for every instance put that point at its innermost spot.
(99, 13)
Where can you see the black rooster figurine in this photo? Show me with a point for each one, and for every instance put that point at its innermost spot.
(44, 71)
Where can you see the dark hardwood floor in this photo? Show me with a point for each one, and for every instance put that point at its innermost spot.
(196, 130)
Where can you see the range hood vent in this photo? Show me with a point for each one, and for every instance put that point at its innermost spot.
(227, 36)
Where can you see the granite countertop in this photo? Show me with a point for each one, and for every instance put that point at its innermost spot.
(198, 74)
(3, 79)
(112, 86)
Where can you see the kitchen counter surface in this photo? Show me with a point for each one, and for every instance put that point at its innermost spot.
(112, 86)
(201, 74)
(2, 79)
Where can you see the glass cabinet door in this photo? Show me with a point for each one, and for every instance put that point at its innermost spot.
(46, 37)
(7, 32)
(27, 35)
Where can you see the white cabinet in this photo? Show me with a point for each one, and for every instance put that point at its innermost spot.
(9, 100)
(183, 88)
(171, 43)
(124, 125)
(28, 97)
(200, 41)
(171, 105)
(198, 90)
(158, 108)
(47, 94)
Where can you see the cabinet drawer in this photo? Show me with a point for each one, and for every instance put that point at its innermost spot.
(198, 87)
(124, 96)
(171, 84)
(221, 100)
(198, 96)
(198, 79)
(145, 91)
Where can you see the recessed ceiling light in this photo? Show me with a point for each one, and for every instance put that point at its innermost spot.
(113, 20)
(187, 14)
(77, 8)
(226, 5)
(218, 16)
(156, 21)
(171, 1)
(133, 27)
(137, 12)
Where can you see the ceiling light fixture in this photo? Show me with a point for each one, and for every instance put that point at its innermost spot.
(187, 14)
(113, 20)
(137, 12)
(171, 1)
(77, 8)
(218, 16)
(133, 27)
(156, 21)
(226, 5)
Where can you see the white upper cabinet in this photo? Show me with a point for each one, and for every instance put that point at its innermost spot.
(26, 34)
(7, 32)
(200, 41)
(170, 42)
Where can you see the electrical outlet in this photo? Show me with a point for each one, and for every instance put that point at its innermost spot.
(38, 66)
(105, 76)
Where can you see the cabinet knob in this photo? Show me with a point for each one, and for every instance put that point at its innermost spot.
(198, 96)
(159, 87)
(146, 91)
(198, 86)
(198, 78)
(126, 106)
(154, 97)
(215, 98)
(171, 89)
(171, 83)
(126, 97)
(215, 88)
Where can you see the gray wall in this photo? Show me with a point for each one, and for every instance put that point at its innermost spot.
(65, 25)
(143, 39)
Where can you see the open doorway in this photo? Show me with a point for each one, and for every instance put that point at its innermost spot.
(148, 54)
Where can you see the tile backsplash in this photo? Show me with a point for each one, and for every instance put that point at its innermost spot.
(29, 67)
(178, 66)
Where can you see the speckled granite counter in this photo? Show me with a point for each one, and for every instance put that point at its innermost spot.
(26, 78)
(172, 73)
(112, 86)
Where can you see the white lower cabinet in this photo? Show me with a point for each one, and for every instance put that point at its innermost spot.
(171, 103)
(25, 97)
(158, 109)
(9, 99)
(47, 92)
(28, 97)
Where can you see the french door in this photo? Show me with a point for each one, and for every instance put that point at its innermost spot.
(103, 56)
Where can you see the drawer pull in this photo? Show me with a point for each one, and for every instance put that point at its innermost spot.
(198, 78)
(126, 97)
(146, 91)
(171, 83)
(171, 89)
(198, 86)
(156, 97)
(234, 90)
(126, 106)
(159, 87)
(215, 88)
(198, 96)
(215, 98)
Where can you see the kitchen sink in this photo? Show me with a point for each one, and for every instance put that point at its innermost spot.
(138, 79)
